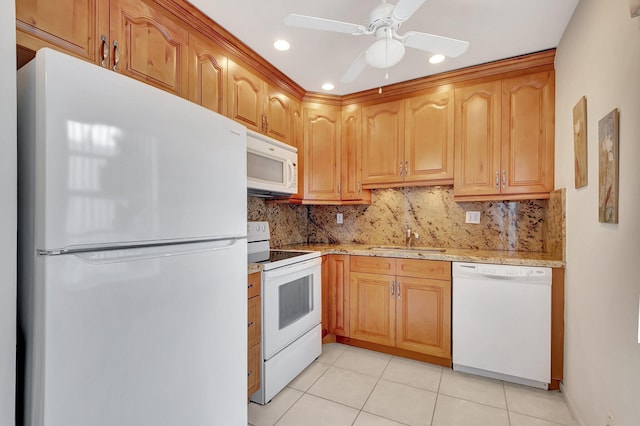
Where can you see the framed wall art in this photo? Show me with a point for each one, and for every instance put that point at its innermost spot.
(634, 8)
(580, 142)
(608, 151)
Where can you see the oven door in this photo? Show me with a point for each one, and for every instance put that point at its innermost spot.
(291, 303)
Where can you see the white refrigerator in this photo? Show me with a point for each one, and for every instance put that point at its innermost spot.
(133, 257)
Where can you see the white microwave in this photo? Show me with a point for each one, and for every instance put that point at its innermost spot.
(272, 167)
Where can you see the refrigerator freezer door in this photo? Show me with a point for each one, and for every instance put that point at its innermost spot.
(135, 338)
(117, 161)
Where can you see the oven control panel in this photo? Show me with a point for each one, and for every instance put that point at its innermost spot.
(258, 231)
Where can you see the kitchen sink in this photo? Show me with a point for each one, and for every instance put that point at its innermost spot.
(403, 248)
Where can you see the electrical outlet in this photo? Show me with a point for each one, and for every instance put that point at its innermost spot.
(473, 217)
(339, 218)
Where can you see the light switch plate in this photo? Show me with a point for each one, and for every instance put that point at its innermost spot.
(473, 217)
(339, 218)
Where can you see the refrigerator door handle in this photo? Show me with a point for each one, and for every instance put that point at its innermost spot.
(128, 254)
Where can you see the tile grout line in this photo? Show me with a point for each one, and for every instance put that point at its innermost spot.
(433, 413)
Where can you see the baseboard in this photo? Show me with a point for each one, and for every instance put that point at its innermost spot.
(571, 406)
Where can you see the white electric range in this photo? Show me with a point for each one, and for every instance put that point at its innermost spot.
(291, 310)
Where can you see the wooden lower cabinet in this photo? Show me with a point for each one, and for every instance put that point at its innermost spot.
(253, 332)
(337, 294)
(253, 370)
(401, 303)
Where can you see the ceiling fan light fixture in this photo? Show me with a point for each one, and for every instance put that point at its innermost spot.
(384, 53)
(281, 45)
(436, 59)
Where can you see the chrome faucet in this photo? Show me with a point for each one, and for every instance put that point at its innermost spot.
(410, 237)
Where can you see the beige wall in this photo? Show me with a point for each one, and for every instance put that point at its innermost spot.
(7, 211)
(599, 57)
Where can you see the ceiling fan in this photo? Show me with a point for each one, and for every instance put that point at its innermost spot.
(389, 48)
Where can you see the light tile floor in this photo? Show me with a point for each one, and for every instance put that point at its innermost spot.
(355, 387)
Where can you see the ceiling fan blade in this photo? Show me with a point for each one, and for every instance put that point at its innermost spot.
(405, 8)
(436, 44)
(355, 69)
(314, 23)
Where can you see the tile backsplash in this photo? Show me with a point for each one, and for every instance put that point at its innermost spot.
(530, 225)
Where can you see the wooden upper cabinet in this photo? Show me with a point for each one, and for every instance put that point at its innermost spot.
(277, 112)
(245, 97)
(297, 140)
(477, 139)
(504, 138)
(75, 26)
(528, 133)
(149, 46)
(429, 134)
(383, 146)
(258, 105)
(321, 152)
(207, 75)
(351, 154)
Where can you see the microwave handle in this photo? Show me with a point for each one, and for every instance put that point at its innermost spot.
(291, 173)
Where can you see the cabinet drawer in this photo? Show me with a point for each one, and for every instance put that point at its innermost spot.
(373, 265)
(253, 284)
(253, 321)
(253, 370)
(434, 269)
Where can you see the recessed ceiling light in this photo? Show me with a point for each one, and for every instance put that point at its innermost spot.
(328, 86)
(436, 59)
(281, 45)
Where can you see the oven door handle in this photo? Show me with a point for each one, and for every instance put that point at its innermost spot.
(300, 269)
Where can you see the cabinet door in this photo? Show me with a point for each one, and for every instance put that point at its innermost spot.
(429, 133)
(277, 111)
(75, 27)
(253, 321)
(424, 316)
(321, 153)
(151, 46)
(383, 145)
(351, 153)
(338, 294)
(207, 75)
(245, 97)
(528, 133)
(253, 370)
(372, 308)
(297, 140)
(477, 139)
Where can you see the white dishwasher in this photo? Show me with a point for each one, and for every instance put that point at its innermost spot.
(502, 322)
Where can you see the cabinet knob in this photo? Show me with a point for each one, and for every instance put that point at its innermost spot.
(250, 324)
(504, 178)
(497, 180)
(249, 286)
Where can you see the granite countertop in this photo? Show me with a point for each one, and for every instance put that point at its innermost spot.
(254, 267)
(519, 258)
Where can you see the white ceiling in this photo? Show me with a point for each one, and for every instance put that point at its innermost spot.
(496, 29)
